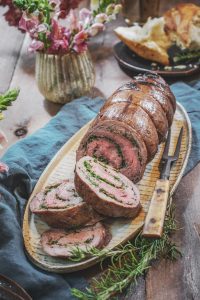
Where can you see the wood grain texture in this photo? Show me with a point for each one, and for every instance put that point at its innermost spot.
(153, 226)
(11, 42)
(181, 280)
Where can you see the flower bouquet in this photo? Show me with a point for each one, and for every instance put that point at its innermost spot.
(59, 35)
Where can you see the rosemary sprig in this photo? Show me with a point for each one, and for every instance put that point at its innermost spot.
(130, 261)
(7, 99)
(186, 56)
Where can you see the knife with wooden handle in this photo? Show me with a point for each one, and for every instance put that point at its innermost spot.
(153, 226)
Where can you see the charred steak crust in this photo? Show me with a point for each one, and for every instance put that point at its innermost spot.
(135, 116)
(159, 83)
(55, 206)
(60, 243)
(146, 104)
(109, 192)
(129, 153)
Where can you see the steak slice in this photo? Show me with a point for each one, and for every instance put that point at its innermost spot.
(61, 243)
(133, 115)
(108, 191)
(60, 206)
(117, 144)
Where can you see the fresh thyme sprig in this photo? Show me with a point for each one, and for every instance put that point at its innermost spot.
(7, 99)
(186, 56)
(130, 261)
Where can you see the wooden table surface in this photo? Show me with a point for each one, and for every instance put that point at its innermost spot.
(166, 280)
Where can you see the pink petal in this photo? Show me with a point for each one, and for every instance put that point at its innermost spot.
(29, 24)
(85, 16)
(96, 28)
(55, 30)
(72, 20)
(79, 48)
(61, 45)
(3, 167)
(22, 23)
(80, 37)
(42, 28)
(35, 45)
(101, 18)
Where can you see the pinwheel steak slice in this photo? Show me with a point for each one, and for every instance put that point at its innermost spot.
(107, 190)
(60, 206)
(61, 243)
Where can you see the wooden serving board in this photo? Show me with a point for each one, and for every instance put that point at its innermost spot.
(62, 166)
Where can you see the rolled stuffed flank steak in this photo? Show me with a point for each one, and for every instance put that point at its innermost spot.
(107, 190)
(130, 125)
(60, 206)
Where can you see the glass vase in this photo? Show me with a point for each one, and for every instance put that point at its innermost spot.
(62, 78)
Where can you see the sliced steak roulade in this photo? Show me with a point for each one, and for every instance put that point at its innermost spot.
(108, 191)
(118, 145)
(147, 106)
(61, 243)
(128, 113)
(60, 206)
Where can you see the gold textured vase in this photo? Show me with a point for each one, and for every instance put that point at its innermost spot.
(62, 78)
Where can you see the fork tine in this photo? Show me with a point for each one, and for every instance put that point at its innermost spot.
(178, 145)
(167, 144)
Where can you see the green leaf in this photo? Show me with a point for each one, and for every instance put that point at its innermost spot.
(7, 99)
(186, 56)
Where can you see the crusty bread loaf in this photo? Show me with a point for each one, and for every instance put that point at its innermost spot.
(182, 25)
(149, 41)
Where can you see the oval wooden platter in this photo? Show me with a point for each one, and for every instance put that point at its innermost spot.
(62, 166)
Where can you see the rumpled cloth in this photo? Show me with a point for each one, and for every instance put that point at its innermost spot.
(27, 160)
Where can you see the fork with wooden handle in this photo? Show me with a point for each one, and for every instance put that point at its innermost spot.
(153, 226)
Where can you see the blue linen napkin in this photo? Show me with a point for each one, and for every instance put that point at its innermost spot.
(27, 159)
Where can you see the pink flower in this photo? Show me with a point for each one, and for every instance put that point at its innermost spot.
(72, 21)
(80, 48)
(29, 24)
(66, 33)
(55, 31)
(95, 29)
(59, 38)
(101, 18)
(60, 46)
(85, 16)
(42, 28)
(35, 46)
(3, 167)
(80, 39)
